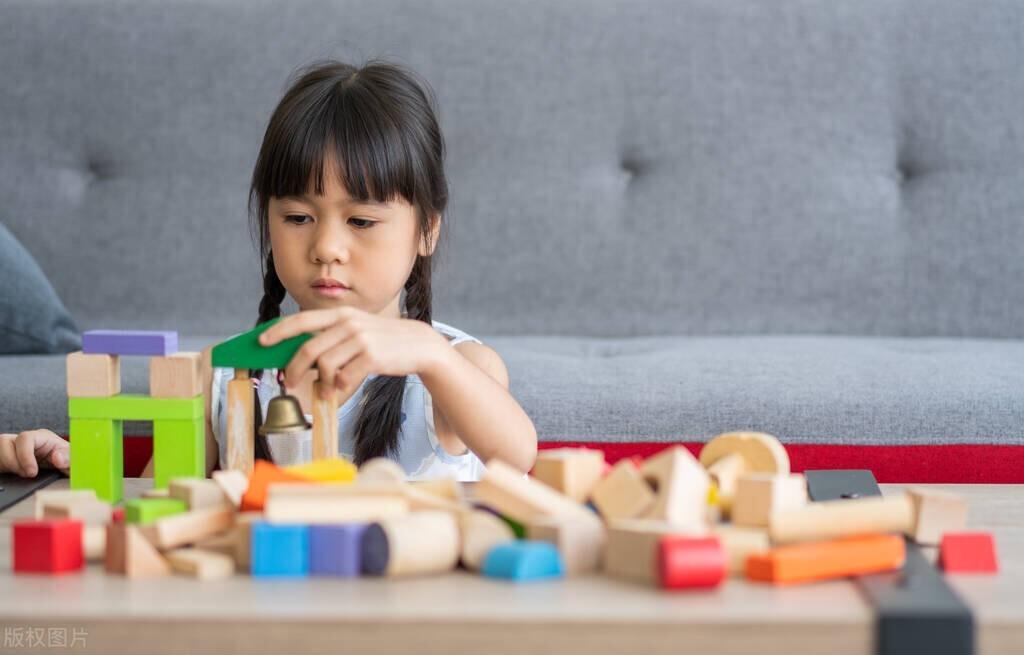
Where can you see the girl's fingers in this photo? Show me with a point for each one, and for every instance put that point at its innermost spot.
(313, 350)
(340, 356)
(8, 459)
(52, 450)
(25, 450)
(306, 321)
(348, 378)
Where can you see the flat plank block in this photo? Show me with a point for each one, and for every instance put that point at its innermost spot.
(96, 375)
(334, 550)
(245, 351)
(279, 550)
(136, 407)
(44, 496)
(97, 450)
(524, 561)
(47, 546)
(147, 510)
(333, 469)
(198, 493)
(179, 449)
(968, 552)
(201, 564)
(826, 560)
(90, 511)
(176, 376)
(522, 498)
(188, 527)
(130, 342)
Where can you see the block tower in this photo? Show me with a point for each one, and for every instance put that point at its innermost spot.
(245, 353)
(97, 409)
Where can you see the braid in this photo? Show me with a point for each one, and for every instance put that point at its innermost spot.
(270, 307)
(376, 430)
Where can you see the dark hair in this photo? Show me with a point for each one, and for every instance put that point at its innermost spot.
(381, 121)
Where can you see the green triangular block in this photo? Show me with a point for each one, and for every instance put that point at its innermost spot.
(244, 351)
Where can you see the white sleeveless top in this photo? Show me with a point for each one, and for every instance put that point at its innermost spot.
(419, 452)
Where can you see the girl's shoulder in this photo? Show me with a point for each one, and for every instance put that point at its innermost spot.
(454, 335)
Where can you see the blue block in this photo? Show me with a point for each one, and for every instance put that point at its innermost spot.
(279, 550)
(130, 342)
(524, 560)
(336, 549)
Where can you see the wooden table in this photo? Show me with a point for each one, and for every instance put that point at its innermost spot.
(462, 612)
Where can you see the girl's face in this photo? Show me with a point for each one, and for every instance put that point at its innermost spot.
(368, 247)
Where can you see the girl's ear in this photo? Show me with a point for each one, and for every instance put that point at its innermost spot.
(426, 248)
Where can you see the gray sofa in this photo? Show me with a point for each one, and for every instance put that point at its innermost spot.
(670, 218)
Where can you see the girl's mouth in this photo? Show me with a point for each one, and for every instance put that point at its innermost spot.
(331, 292)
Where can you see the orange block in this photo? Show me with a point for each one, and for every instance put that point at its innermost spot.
(823, 560)
(264, 473)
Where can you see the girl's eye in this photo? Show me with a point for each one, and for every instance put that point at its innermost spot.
(295, 218)
(366, 223)
(299, 219)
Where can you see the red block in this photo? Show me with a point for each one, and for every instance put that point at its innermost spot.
(47, 546)
(691, 562)
(968, 552)
(117, 516)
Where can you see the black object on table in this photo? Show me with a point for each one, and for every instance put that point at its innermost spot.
(13, 487)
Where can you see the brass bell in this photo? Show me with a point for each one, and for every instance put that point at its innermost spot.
(284, 414)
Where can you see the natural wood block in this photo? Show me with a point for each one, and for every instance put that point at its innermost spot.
(325, 503)
(130, 554)
(505, 489)
(381, 469)
(936, 512)
(43, 497)
(740, 543)
(759, 495)
(572, 471)
(89, 511)
(480, 531)
(417, 543)
(94, 542)
(581, 543)
(198, 493)
(631, 549)
(622, 493)
(241, 451)
(175, 376)
(201, 564)
(187, 527)
(732, 454)
(681, 485)
(233, 484)
(93, 376)
(325, 422)
(833, 519)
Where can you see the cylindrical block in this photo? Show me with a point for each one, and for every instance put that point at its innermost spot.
(691, 562)
(421, 542)
(843, 518)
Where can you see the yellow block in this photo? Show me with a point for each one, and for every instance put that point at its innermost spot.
(337, 469)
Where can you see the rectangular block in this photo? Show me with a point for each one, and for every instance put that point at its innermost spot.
(240, 428)
(580, 543)
(97, 453)
(179, 450)
(279, 550)
(335, 549)
(93, 376)
(176, 376)
(130, 342)
(136, 407)
(826, 560)
(198, 493)
(188, 527)
(760, 495)
(89, 511)
(146, 510)
(45, 496)
(631, 549)
(201, 564)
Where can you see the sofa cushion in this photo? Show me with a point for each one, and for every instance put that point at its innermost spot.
(32, 317)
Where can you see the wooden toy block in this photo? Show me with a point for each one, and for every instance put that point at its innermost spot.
(448, 488)
(179, 449)
(130, 342)
(572, 471)
(522, 498)
(43, 497)
(187, 527)
(201, 564)
(968, 552)
(759, 495)
(936, 512)
(96, 448)
(325, 423)
(325, 503)
(225, 543)
(740, 543)
(417, 543)
(825, 560)
(335, 550)
(130, 554)
(94, 542)
(244, 350)
(731, 454)
(681, 485)
(93, 375)
(241, 449)
(833, 519)
(631, 547)
(420, 500)
(622, 493)
(89, 511)
(279, 550)
(263, 474)
(580, 543)
(327, 469)
(523, 561)
(691, 562)
(47, 546)
(162, 492)
(242, 532)
(136, 407)
(233, 484)
(176, 376)
(479, 532)
(140, 511)
(381, 469)
(198, 493)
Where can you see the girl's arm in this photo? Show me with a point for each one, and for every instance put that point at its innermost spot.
(469, 385)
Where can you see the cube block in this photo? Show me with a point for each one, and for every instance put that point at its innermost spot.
(176, 376)
(278, 550)
(93, 375)
(968, 552)
(47, 546)
(335, 549)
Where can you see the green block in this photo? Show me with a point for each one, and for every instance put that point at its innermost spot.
(245, 351)
(136, 407)
(179, 450)
(97, 457)
(147, 510)
(518, 529)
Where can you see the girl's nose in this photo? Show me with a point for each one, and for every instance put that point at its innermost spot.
(330, 245)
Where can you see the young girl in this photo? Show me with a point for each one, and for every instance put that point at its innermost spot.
(348, 196)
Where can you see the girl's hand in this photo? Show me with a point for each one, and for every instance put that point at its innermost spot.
(24, 453)
(354, 344)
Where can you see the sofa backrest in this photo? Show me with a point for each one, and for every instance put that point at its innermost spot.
(616, 168)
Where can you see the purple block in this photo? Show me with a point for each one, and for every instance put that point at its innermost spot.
(334, 549)
(130, 342)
